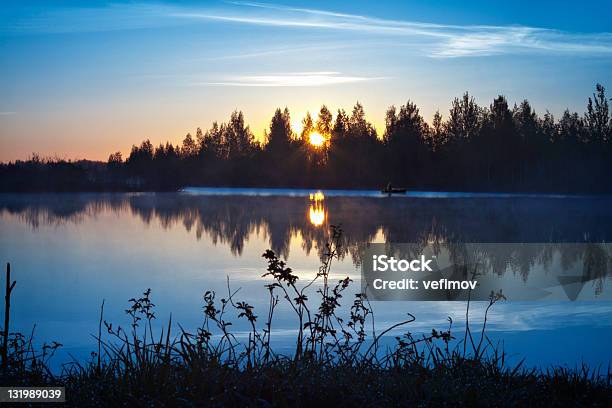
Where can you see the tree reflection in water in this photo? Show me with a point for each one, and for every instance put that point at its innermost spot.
(442, 222)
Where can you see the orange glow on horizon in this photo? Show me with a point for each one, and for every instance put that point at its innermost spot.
(64, 131)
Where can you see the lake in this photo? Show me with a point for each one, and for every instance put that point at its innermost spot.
(69, 252)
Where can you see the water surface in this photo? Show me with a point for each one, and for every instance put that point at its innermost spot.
(70, 251)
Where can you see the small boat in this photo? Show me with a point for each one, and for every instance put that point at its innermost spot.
(393, 190)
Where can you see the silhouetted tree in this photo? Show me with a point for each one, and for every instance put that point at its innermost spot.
(238, 137)
(465, 119)
(598, 116)
(436, 134)
(532, 140)
(460, 159)
(280, 149)
(115, 159)
(189, 148)
(505, 143)
(404, 137)
(307, 128)
(213, 142)
(324, 122)
(280, 134)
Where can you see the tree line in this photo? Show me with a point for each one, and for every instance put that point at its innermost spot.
(478, 148)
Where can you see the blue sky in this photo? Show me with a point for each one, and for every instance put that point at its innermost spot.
(83, 79)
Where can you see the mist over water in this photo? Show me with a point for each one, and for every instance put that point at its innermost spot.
(70, 251)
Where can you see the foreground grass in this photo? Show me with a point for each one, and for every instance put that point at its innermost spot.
(206, 381)
(285, 383)
(338, 361)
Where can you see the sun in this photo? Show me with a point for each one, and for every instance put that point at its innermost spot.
(316, 139)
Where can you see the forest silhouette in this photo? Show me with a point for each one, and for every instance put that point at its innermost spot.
(494, 148)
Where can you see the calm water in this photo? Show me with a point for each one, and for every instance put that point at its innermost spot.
(70, 251)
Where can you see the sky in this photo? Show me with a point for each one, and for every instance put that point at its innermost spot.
(85, 79)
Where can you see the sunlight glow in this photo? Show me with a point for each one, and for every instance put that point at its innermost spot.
(316, 139)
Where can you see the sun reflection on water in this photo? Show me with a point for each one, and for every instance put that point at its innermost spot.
(317, 213)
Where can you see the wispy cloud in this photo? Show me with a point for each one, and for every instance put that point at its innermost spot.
(7, 113)
(437, 40)
(293, 49)
(434, 40)
(296, 79)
